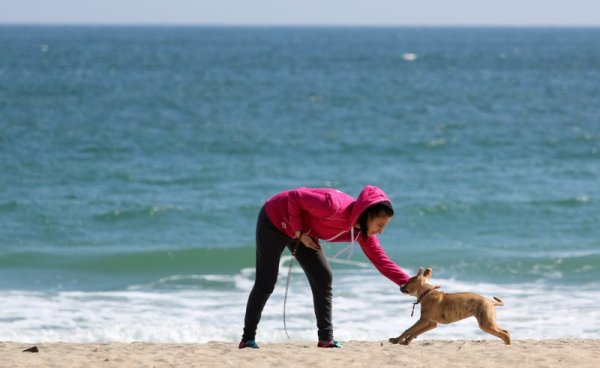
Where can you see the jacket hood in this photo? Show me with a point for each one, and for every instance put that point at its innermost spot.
(369, 196)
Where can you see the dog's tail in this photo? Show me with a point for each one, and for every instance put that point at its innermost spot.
(498, 302)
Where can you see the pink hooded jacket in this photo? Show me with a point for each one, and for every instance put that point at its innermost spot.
(330, 215)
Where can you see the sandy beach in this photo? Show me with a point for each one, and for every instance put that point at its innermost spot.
(460, 353)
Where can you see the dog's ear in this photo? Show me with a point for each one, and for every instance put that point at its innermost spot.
(420, 273)
(427, 272)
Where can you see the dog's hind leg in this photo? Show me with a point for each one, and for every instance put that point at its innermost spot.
(487, 322)
(486, 317)
(494, 330)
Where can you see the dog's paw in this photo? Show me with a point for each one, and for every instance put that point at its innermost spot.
(394, 340)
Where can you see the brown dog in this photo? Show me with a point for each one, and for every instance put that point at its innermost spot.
(439, 307)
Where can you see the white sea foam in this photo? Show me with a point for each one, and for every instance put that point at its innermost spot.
(366, 307)
(409, 56)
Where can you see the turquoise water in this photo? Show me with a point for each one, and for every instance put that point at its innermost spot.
(134, 161)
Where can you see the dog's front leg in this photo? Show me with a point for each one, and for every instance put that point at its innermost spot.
(419, 328)
(422, 325)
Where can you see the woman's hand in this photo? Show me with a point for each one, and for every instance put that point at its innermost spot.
(308, 241)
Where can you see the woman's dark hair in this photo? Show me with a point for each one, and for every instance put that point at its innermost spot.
(376, 210)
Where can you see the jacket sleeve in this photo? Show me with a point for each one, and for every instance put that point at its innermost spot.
(381, 261)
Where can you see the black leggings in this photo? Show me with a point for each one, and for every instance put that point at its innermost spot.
(270, 243)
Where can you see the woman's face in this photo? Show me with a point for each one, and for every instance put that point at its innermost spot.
(375, 225)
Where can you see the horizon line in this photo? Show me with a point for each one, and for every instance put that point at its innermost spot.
(294, 25)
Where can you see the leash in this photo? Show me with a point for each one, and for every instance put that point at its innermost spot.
(287, 284)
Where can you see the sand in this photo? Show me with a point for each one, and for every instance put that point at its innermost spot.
(427, 353)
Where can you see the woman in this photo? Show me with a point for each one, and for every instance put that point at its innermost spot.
(307, 215)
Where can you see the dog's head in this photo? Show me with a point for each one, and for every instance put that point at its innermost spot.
(413, 284)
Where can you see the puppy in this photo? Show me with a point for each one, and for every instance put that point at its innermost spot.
(439, 307)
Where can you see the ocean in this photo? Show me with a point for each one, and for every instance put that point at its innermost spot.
(134, 162)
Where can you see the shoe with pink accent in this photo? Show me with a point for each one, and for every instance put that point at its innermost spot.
(248, 344)
(329, 344)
